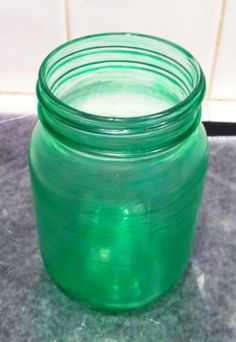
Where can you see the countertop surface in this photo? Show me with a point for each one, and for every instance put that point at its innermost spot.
(201, 307)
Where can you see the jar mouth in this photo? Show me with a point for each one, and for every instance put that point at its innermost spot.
(149, 54)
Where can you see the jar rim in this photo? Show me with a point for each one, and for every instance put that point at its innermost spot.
(198, 90)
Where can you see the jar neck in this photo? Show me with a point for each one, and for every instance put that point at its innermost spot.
(113, 135)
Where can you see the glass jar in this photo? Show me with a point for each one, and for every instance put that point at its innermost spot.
(117, 162)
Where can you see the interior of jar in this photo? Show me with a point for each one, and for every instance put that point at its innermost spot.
(121, 75)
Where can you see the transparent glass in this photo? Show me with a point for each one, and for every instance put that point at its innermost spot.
(117, 162)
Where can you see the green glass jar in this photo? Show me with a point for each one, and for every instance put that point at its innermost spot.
(117, 162)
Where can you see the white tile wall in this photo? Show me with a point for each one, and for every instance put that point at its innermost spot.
(224, 80)
(222, 111)
(184, 22)
(18, 104)
(30, 29)
(205, 111)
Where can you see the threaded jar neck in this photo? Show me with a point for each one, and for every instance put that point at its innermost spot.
(120, 93)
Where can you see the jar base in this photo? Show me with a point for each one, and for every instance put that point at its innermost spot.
(116, 307)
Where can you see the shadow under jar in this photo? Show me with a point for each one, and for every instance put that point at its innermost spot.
(117, 162)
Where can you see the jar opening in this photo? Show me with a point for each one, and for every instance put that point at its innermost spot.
(120, 75)
(116, 92)
(120, 83)
(116, 88)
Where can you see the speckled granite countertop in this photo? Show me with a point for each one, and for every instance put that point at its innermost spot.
(201, 307)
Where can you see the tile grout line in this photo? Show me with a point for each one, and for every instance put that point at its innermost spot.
(17, 93)
(221, 100)
(216, 50)
(67, 20)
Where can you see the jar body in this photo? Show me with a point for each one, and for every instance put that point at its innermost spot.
(116, 232)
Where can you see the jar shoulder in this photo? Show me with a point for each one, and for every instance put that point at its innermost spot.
(46, 149)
